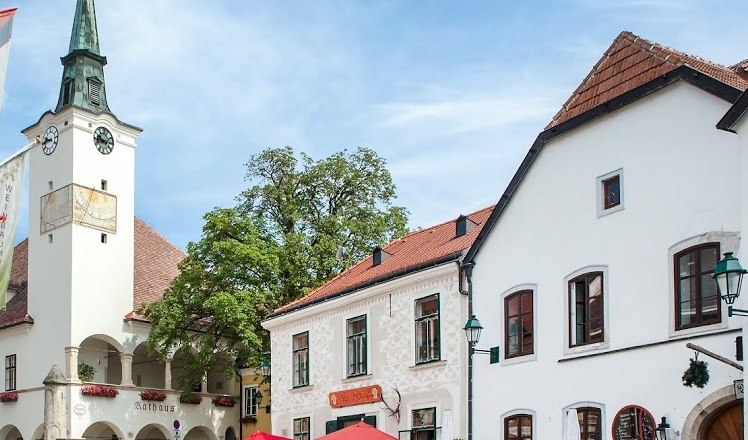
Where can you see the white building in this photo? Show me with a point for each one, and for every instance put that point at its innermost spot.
(84, 270)
(594, 271)
(383, 341)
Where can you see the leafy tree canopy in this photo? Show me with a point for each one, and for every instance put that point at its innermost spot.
(278, 243)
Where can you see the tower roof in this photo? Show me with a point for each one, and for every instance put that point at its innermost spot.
(82, 82)
(85, 35)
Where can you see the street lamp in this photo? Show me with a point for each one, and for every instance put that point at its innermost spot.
(265, 367)
(729, 276)
(664, 431)
(472, 330)
(258, 397)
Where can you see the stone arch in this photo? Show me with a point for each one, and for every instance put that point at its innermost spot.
(701, 414)
(102, 352)
(103, 431)
(147, 369)
(38, 433)
(220, 376)
(178, 370)
(10, 432)
(230, 434)
(200, 433)
(153, 431)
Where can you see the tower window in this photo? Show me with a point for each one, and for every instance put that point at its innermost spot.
(67, 91)
(103, 185)
(51, 185)
(50, 238)
(103, 238)
(94, 91)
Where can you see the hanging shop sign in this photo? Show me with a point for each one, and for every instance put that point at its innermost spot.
(633, 422)
(355, 396)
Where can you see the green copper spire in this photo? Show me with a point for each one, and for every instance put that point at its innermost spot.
(83, 74)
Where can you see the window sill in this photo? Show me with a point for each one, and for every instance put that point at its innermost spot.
(587, 348)
(703, 329)
(519, 359)
(359, 378)
(301, 389)
(427, 365)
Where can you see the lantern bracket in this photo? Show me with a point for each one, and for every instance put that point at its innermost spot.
(734, 311)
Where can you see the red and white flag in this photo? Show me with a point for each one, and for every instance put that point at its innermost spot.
(6, 28)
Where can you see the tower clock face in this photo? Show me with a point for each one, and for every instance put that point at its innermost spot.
(49, 141)
(103, 140)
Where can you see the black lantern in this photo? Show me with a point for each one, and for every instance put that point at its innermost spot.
(472, 330)
(729, 275)
(265, 367)
(664, 431)
(258, 397)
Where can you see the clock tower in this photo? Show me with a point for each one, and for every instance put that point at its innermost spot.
(81, 203)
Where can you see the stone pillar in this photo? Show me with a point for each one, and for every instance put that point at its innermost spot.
(71, 363)
(204, 384)
(167, 374)
(126, 360)
(55, 409)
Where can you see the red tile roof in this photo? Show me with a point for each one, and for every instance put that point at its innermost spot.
(414, 251)
(156, 261)
(632, 61)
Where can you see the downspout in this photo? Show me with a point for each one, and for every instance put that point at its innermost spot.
(467, 270)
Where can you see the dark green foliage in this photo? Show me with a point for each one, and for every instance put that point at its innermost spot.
(696, 374)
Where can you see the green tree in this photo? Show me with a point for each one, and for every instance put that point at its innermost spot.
(281, 241)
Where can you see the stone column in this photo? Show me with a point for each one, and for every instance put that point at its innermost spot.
(167, 374)
(204, 384)
(71, 363)
(126, 360)
(55, 410)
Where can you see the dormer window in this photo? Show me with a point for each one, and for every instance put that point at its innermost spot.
(463, 225)
(379, 256)
(94, 91)
(67, 91)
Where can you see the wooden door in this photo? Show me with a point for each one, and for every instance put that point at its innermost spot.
(727, 425)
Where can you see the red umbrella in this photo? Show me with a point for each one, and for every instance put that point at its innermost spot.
(359, 431)
(259, 435)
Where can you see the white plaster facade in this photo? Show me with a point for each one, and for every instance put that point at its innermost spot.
(684, 185)
(389, 308)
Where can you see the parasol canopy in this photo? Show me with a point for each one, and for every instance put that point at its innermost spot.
(359, 431)
(259, 435)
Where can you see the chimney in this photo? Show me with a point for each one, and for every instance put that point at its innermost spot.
(463, 225)
(741, 69)
(379, 256)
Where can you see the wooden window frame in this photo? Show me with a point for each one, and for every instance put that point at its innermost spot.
(585, 411)
(641, 414)
(587, 277)
(359, 340)
(10, 372)
(518, 418)
(521, 313)
(301, 434)
(415, 431)
(434, 342)
(606, 184)
(297, 352)
(250, 402)
(699, 322)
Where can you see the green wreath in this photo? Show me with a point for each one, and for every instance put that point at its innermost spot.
(696, 374)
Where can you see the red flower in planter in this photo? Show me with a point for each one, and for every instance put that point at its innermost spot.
(99, 391)
(223, 401)
(193, 399)
(156, 396)
(8, 397)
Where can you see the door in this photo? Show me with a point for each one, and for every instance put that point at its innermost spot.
(727, 425)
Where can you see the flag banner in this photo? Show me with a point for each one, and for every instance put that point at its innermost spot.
(6, 27)
(11, 179)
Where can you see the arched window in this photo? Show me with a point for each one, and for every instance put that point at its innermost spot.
(518, 427)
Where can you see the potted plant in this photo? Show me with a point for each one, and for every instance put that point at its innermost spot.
(223, 401)
(249, 419)
(9, 397)
(86, 372)
(192, 399)
(99, 391)
(156, 396)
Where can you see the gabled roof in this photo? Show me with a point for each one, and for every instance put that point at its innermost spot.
(632, 61)
(415, 251)
(597, 96)
(155, 261)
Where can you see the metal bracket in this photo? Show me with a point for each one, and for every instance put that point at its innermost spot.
(734, 311)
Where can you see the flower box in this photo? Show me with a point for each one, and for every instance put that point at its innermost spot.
(193, 399)
(156, 396)
(8, 397)
(249, 419)
(223, 401)
(99, 391)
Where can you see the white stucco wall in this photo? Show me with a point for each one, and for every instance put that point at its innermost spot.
(389, 308)
(676, 192)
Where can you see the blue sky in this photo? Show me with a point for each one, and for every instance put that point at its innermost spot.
(451, 93)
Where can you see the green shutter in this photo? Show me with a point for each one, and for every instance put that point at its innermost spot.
(331, 426)
(495, 355)
(371, 420)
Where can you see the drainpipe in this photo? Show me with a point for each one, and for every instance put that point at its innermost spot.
(467, 269)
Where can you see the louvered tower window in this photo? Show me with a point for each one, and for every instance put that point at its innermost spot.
(67, 91)
(94, 91)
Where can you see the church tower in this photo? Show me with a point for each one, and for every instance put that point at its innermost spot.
(81, 203)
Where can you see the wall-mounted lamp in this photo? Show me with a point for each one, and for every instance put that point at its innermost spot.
(664, 431)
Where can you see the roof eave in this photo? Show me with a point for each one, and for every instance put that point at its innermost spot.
(734, 114)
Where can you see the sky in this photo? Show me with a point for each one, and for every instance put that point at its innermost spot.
(451, 93)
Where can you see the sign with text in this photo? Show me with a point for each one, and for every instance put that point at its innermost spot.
(738, 384)
(355, 396)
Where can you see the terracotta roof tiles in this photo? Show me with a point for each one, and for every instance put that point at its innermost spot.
(632, 61)
(411, 252)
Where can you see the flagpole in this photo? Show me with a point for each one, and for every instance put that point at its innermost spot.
(26, 148)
